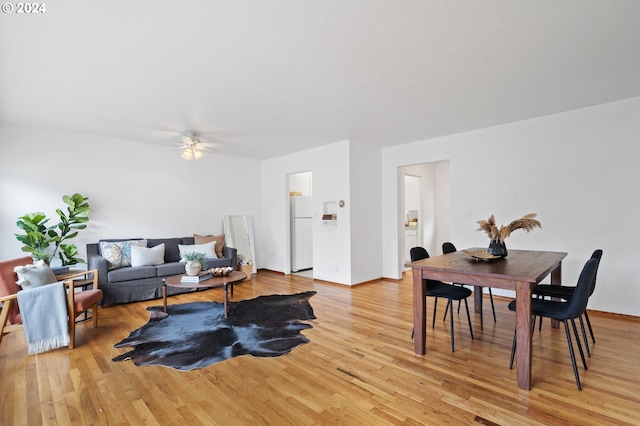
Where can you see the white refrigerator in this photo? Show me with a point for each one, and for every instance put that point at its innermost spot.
(301, 233)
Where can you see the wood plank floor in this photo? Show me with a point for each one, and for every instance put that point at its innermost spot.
(359, 368)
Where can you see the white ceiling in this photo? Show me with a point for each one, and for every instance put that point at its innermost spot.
(271, 77)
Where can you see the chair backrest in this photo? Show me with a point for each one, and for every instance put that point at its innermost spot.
(597, 254)
(418, 253)
(448, 248)
(578, 303)
(8, 284)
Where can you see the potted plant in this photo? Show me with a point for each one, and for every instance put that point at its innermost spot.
(194, 263)
(497, 247)
(38, 237)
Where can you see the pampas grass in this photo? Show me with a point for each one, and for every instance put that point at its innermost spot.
(527, 222)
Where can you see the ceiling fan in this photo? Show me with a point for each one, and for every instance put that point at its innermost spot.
(193, 147)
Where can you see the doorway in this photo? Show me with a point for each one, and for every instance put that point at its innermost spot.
(301, 223)
(426, 188)
(412, 213)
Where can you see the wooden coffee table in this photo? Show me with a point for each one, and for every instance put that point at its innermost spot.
(223, 282)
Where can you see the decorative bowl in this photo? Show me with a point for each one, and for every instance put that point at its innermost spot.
(221, 272)
(481, 254)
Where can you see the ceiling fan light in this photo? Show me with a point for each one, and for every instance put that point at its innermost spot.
(191, 153)
(187, 154)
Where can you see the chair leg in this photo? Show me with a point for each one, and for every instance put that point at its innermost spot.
(513, 351)
(575, 332)
(466, 305)
(540, 324)
(584, 337)
(493, 308)
(72, 330)
(586, 317)
(4, 315)
(94, 313)
(533, 324)
(573, 356)
(444, 317)
(435, 308)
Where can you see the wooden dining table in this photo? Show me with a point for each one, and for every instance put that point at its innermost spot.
(521, 270)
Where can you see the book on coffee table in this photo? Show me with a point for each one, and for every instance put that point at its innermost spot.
(196, 278)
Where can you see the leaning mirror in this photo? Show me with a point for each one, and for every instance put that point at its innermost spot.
(238, 233)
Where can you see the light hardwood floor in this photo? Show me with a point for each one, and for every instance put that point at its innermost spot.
(359, 368)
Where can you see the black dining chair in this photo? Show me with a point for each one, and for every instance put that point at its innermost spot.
(566, 292)
(438, 289)
(448, 247)
(565, 311)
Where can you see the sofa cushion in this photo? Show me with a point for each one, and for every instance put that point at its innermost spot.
(143, 256)
(216, 263)
(118, 253)
(168, 269)
(171, 252)
(219, 239)
(208, 249)
(128, 273)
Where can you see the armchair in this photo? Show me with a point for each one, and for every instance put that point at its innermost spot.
(77, 301)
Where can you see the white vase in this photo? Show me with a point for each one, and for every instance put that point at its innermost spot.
(192, 268)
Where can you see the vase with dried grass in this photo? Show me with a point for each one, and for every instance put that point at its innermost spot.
(497, 247)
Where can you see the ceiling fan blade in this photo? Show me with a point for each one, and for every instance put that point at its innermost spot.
(214, 146)
(187, 139)
(212, 143)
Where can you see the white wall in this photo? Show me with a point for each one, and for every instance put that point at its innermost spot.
(442, 203)
(329, 166)
(366, 217)
(578, 170)
(135, 189)
(349, 251)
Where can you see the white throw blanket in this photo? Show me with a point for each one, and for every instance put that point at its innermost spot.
(44, 317)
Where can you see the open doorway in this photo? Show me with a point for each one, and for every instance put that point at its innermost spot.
(301, 223)
(412, 213)
(424, 207)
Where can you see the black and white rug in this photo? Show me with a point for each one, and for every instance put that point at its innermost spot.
(195, 335)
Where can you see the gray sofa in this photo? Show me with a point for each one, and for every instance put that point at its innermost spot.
(134, 284)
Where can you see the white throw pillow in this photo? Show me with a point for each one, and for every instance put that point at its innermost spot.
(208, 249)
(34, 275)
(143, 256)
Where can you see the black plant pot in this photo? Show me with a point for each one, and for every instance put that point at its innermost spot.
(497, 248)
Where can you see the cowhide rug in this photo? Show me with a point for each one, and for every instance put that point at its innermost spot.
(195, 335)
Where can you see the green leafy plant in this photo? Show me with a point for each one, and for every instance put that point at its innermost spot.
(44, 242)
(194, 257)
